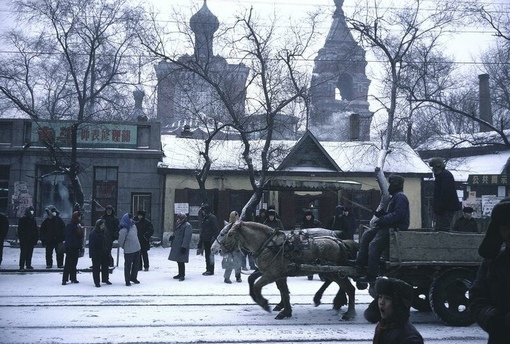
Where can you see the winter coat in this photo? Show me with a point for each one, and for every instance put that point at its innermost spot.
(275, 224)
(209, 227)
(445, 195)
(489, 297)
(128, 236)
(464, 225)
(98, 244)
(397, 215)
(4, 227)
(391, 334)
(182, 238)
(112, 225)
(27, 228)
(145, 231)
(52, 230)
(350, 226)
(313, 223)
(74, 234)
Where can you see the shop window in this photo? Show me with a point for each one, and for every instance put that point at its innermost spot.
(4, 188)
(104, 190)
(141, 201)
(6, 133)
(54, 188)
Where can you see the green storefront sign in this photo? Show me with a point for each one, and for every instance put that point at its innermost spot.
(111, 135)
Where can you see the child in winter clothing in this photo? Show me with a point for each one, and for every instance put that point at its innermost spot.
(393, 301)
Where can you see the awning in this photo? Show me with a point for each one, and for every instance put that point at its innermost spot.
(308, 185)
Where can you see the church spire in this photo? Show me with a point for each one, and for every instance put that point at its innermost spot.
(204, 24)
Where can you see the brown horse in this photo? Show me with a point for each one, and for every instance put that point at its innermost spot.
(275, 261)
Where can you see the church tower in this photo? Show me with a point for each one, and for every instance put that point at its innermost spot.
(339, 88)
(185, 99)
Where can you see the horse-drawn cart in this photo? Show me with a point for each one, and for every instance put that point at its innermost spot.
(440, 265)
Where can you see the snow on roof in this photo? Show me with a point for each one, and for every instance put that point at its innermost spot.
(462, 167)
(182, 153)
(463, 140)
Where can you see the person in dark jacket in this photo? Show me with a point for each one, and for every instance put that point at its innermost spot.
(73, 244)
(489, 295)
(273, 221)
(375, 240)
(466, 223)
(208, 232)
(179, 249)
(99, 253)
(337, 222)
(28, 234)
(145, 230)
(350, 224)
(112, 228)
(391, 310)
(52, 236)
(309, 220)
(445, 202)
(4, 229)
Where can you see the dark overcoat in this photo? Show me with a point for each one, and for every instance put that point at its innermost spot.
(182, 238)
(145, 230)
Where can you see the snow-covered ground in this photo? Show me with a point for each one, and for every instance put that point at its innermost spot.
(36, 308)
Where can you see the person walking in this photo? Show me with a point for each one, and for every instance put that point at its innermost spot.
(180, 243)
(53, 231)
(112, 229)
(489, 295)
(445, 201)
(466, 223)
(28, 234)
(232, 261)
(128, 240)
(98, 252)
(4, 229)
(208, 232)
(391, 310)
(73, 244)
(375, 240)
(145, 230)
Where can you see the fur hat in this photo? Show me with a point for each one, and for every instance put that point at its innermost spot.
(397, 181)
(181, 216)
(437, 162)
(141, 212)
(271, 212)
(400, 291)
(491, 244)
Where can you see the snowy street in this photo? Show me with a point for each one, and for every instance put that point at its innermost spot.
(36, 308)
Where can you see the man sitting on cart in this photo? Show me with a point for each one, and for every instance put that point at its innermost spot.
(376, 240)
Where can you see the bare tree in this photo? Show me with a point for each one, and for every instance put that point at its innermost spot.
(74, 63)
(277, 78)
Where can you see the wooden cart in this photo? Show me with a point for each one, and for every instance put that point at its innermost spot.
(440, 265)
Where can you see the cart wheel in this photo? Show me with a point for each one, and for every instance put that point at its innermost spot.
(421, 300)
(449, 296)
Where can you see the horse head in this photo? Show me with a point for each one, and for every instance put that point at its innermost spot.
(230, 241)
(217, 246)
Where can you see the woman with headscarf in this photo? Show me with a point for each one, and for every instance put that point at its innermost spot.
(489, 295)
(232, 261)
(128, 240)
(73, 245)
(181, 239)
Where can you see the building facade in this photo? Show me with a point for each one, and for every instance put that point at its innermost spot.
(117, 166)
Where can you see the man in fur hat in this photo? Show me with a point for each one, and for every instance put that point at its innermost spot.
(445, 202)
(391, 309)
(489, 295)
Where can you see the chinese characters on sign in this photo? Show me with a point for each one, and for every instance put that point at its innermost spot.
(488, 179)
(88, 134)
